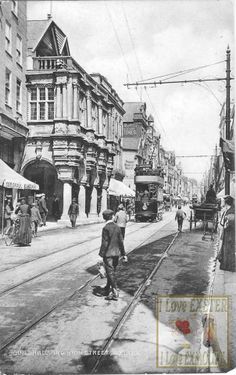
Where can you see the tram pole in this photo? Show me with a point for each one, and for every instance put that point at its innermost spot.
(227, 117)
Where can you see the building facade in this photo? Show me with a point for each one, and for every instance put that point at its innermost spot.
(140, 140)
(13, 96)
(75, 124)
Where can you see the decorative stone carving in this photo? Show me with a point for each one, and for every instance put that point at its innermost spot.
(61, 80)
(90, 136)
(60, 128)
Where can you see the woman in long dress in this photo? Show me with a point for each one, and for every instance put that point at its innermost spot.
(227, 253)
(23, 234)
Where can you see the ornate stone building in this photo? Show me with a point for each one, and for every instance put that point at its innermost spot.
(75, 124)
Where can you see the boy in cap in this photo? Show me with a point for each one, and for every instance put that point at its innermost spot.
(112, 247)
(43, 208)
(35, 218)
(73, 212)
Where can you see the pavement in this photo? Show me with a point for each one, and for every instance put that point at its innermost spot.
(224, 284)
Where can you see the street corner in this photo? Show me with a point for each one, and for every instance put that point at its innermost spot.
(192, 332)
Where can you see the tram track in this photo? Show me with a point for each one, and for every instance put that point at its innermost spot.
(20, 333)
(53, 252)
(131, 305)
(7, 291)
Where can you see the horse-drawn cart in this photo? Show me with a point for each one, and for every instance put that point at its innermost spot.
(207, 213)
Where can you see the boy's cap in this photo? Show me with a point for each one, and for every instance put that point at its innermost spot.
(107, 213)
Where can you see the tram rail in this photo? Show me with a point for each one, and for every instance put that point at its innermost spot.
(58, 251)
(130, 307)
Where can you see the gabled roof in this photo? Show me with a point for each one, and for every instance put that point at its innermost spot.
(46, 32)
(131, 108)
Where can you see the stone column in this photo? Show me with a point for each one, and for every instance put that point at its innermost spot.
(64, 100)
(75, 102)
(81, 200)
(58, 101)
(89, 110)
(93, 206)
(109, 127)
(104, 201)
(70, 100)
(100, 125)
(67, 196)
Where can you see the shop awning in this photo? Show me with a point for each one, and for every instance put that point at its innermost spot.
(13, 180)
(118, 189)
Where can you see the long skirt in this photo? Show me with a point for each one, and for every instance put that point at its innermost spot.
(227, 253)
(23, 235)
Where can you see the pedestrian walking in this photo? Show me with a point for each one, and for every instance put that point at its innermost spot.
(112, 247)
(180, 215)
(23, 235)
(121, 219)
(129, 209)
(226, 255)
(43, 208)
(35, 218)
(73, 212)
(56, 207)
(7, 213)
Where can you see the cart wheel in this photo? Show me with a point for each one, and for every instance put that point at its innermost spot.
(191, 220)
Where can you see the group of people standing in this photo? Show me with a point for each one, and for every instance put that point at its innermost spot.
(26, 217)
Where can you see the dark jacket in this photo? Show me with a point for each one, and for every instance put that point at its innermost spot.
(42, 206)
(112, 241)
(73, 209)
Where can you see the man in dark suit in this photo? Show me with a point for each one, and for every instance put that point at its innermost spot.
(112, 247)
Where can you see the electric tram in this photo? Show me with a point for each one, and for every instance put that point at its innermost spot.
(149, 193)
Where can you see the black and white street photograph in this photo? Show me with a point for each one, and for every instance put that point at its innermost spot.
(117, 187)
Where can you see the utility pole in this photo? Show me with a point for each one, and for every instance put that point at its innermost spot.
(227, 117)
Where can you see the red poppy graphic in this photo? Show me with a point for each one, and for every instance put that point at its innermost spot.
(183, 326)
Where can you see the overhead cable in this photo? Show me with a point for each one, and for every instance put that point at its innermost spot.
(181, 72)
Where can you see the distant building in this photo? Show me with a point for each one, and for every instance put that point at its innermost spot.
(140, 140)
(13, 97)
(75, 124)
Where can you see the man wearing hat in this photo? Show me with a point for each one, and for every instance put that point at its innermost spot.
(112, 247)
(43, 208)
(73, 212)
(121, 219)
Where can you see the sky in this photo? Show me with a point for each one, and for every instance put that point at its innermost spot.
(128, 41)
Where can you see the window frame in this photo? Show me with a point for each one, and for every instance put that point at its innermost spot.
(19, 51)
(8, 38)
(18, 98)
(14, 7)
(8, 88)
(43, 103)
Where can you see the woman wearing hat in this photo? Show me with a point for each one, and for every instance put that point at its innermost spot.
(23, 234)
(226, 256)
